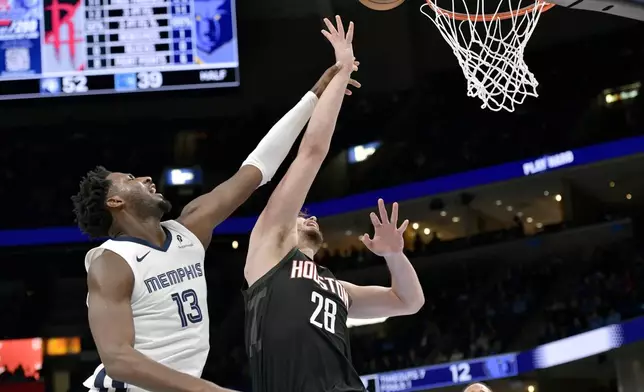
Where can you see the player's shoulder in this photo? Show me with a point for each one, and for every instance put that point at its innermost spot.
(107, 252)
(184, 237)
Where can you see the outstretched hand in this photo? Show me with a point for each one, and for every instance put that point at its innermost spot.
(328, 75)
(388, 237)
(342, 43)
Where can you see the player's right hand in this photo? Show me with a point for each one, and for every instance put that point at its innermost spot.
(342, 43)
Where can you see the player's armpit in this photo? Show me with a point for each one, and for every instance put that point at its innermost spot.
(204, 213)
(110, 282)
(376, 301)
(280, 214)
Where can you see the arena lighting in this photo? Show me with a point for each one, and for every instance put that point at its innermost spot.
(622, 93)
(530, 388)
(509, 208)
(629, 196)
(427, 231)
(611, 184)
(235, 244)
(362, 152)
(498, 202)
(443, 213)
(182, 176)
(415, 226)
(546, 193)
(529, 219)
(352, 323)
(558, 197)
(456, 219)
(539, 225)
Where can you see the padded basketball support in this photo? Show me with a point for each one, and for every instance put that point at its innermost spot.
(624, 8)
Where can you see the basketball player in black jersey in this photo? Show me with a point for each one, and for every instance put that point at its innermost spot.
(296, 310)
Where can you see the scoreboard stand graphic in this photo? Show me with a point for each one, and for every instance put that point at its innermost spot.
(75, 47)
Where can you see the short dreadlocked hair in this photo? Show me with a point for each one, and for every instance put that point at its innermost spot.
(92, 216)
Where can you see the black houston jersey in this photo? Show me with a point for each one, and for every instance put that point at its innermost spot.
(296, 330)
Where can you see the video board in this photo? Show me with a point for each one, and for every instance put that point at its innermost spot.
(51, 48)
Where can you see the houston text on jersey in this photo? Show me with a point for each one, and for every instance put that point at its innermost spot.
(308, 270)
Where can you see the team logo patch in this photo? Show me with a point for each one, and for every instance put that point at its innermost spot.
(183, 242)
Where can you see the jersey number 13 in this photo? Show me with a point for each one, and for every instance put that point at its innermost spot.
(328, 316)
(189, 297)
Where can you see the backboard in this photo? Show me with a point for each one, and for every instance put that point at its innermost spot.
(632, 9)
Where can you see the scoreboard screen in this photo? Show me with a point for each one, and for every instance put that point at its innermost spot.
(53, 48)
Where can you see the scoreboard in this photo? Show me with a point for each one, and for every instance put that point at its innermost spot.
(52, 48)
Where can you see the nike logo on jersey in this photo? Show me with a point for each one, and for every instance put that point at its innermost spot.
(140, 259)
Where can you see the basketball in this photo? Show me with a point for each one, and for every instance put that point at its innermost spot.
(381, 5)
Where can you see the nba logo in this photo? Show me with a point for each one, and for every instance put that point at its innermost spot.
(50, 86)
(17, 59)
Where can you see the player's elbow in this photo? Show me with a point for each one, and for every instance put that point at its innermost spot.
(118, 363)
(413, 305)
(417, 304)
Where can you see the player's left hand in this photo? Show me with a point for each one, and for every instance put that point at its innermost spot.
(328, 75)
(388, 237)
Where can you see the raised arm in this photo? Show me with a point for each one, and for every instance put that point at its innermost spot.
(110, 282)
(405, 296)
(278, 219)
(204, 213)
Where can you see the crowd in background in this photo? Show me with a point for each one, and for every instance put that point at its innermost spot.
(16, 375)
(604, 295)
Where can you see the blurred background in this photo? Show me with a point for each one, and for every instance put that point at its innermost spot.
(525, 226)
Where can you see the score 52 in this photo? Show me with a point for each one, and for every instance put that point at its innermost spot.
(75, 84)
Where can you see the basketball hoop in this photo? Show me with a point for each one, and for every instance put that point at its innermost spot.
(489, 51)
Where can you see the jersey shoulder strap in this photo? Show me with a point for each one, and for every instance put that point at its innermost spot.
(265, 279)
(184, 237)
(127, 251)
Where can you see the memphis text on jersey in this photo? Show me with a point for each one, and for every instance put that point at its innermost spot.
(173, 277)
(308, 270)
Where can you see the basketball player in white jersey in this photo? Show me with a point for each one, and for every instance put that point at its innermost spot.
(147, 291)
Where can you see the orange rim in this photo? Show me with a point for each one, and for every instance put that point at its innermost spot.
(488, 18)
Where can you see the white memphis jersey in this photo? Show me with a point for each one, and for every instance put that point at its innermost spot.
(168, 302)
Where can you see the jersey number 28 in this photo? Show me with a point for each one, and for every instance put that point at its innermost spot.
(330, 309)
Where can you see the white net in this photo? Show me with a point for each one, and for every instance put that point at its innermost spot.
(489, 48)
